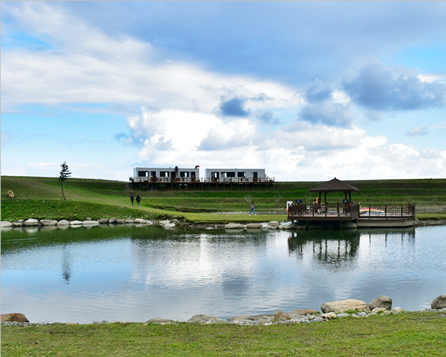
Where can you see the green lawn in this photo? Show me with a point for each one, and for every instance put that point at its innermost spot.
(405, 334)
(40, 197)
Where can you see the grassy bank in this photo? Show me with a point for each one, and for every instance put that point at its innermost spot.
(405, 334)
(40, 197)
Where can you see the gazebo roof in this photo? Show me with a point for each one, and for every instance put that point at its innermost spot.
(334, 185)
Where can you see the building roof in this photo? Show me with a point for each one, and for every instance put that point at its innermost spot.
(334, 186)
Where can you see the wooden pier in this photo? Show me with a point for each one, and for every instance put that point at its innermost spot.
(352, 214)
(368, 216)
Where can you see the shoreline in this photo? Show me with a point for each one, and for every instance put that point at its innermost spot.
(279, 317)
(175, 223)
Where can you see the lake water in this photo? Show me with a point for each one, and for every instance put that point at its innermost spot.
(137, 273)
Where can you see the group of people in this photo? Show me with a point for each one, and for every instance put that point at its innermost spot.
(132, 198)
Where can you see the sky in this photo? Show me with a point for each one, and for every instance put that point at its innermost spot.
(306, 90)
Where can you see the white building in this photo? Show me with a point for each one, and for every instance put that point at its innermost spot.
(164, 174)
(236, 175)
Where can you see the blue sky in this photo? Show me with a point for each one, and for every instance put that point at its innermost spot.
(306, 90)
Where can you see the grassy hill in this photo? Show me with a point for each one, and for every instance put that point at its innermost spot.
(40, 197)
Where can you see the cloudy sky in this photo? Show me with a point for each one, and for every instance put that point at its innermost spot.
(306, 90)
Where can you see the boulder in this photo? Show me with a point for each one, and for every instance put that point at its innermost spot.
(281, 316)
(14, 317)
(329, 316)
(254, 225)
(18, 223)
(274, 224)
(238, 318)
(140, 221)
(381, 301)
(160, 321)
(164, 222)
(31, 222)
(120, 221)
(90, 223)
(104, 221)
(234, 226)
(169, 225)
(439, 302)
(303, 312)
(112, 220)
(76, 223)
(148, 222)
(345, 305)
(63, 222)
(48, 222)
(129, 221)
(6, 224)
(204, 319)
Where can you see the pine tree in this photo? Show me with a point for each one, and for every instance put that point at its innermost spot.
(64, 174)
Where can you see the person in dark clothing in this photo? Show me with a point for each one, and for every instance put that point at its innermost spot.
(138, 199)
(132, 198)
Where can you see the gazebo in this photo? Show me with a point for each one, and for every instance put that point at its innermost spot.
(334, 185)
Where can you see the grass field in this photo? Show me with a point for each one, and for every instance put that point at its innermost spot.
(40, 197)
(405, 334)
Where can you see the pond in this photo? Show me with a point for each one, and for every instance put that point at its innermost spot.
(137, 273)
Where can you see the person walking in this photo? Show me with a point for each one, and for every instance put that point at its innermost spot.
(138, 199)
(132, 198)
(252, 209)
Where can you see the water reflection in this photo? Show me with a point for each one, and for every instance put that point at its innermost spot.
(136, 273)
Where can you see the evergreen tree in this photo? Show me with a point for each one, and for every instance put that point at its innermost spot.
(64, 174)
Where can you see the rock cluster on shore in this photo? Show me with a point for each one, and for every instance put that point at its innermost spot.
(331, 310)
(167, 223)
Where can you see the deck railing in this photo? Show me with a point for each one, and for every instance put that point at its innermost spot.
(354, 211)
(328, 210)
(241, 180)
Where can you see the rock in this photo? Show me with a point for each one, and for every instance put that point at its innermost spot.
(274, 224)
(254, 225)
(204, 319)
(317, 319)
(120, 221)
(129, 221)
(148, 222)
(439, 302)
(90, 223)
(285, 226)
(238, 318)
(164, 222)
(381, 301)
(169, 225)
(63, 222)
(329, 316)
(234, 226)
(303, 312)
(48, 222)
(160, 321)
(112, 220)
(18, 223)
(379, 309)
(281, 316)
(397, 310)
(104, 221)
(76, 223)
(140, 221)
(6, 224)
(345, 305)
(10, 194)
(31, 222)
(14, 317)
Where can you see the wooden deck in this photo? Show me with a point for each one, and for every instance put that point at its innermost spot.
(353, 213)
(163, 183)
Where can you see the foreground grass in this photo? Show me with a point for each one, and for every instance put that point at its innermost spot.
(40, 197)
(406, 334)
